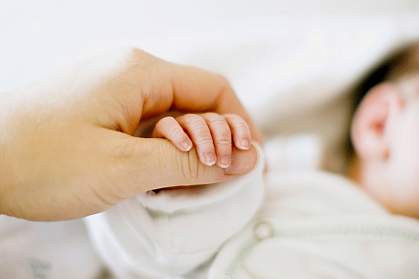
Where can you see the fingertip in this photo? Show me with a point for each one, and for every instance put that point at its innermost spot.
(240, 130)
(243, 144)
(185, 145)
(208, 158)
(243, 161)
(224, 161)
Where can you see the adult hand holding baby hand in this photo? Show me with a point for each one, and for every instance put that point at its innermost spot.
(67, 147)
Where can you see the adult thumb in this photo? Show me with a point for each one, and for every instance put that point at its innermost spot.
(156, 163)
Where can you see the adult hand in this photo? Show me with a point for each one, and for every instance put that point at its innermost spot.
(67, 147)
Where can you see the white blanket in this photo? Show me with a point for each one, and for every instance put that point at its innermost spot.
(310, 225)
(173, 232)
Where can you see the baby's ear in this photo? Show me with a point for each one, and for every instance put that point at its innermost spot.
(371, 121)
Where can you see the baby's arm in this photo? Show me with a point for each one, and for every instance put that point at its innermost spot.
(212, 134)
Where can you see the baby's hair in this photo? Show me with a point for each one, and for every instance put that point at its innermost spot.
(400, 63)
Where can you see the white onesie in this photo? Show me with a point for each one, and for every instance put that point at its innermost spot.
(309, 225)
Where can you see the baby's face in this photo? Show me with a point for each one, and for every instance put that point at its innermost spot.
(391, 172)
(403, 160)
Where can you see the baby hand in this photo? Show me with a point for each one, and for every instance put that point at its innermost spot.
(212, 134)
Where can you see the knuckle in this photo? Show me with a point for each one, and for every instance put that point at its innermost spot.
(219, 125)
(204, 142)
(138, 55)
(223, 136)
(232, 116)
(223, 132)
(198, 127)
(138, 58)
(169, 127)
(211, 115)
(202, 134)
(223, 141)
(216, 120)
(238, 121)
(222, 83)
(223, 80)
(192, 119)
(190, 168)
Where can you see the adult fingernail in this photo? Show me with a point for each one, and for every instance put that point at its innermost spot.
(224, 162)
(209, 158)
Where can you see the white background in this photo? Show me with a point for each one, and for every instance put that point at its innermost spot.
(36, 36)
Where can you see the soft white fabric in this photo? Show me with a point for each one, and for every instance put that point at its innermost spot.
(173, 232)
(297, 152)
(310, 225)
(32, 250)
(55, 36)
(316, 225)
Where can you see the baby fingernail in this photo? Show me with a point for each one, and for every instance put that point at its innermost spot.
(186, 145)
(244, 143)
(224, 162)
(209, 158)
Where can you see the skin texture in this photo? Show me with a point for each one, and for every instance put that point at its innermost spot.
(212, 134)
(385, 134)
(70, 150)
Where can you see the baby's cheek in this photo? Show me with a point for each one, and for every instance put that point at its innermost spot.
(409, 145)
(404, 162)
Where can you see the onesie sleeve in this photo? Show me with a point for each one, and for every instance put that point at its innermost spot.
(172, 232)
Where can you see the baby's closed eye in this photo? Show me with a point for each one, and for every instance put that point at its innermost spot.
(213, 135)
